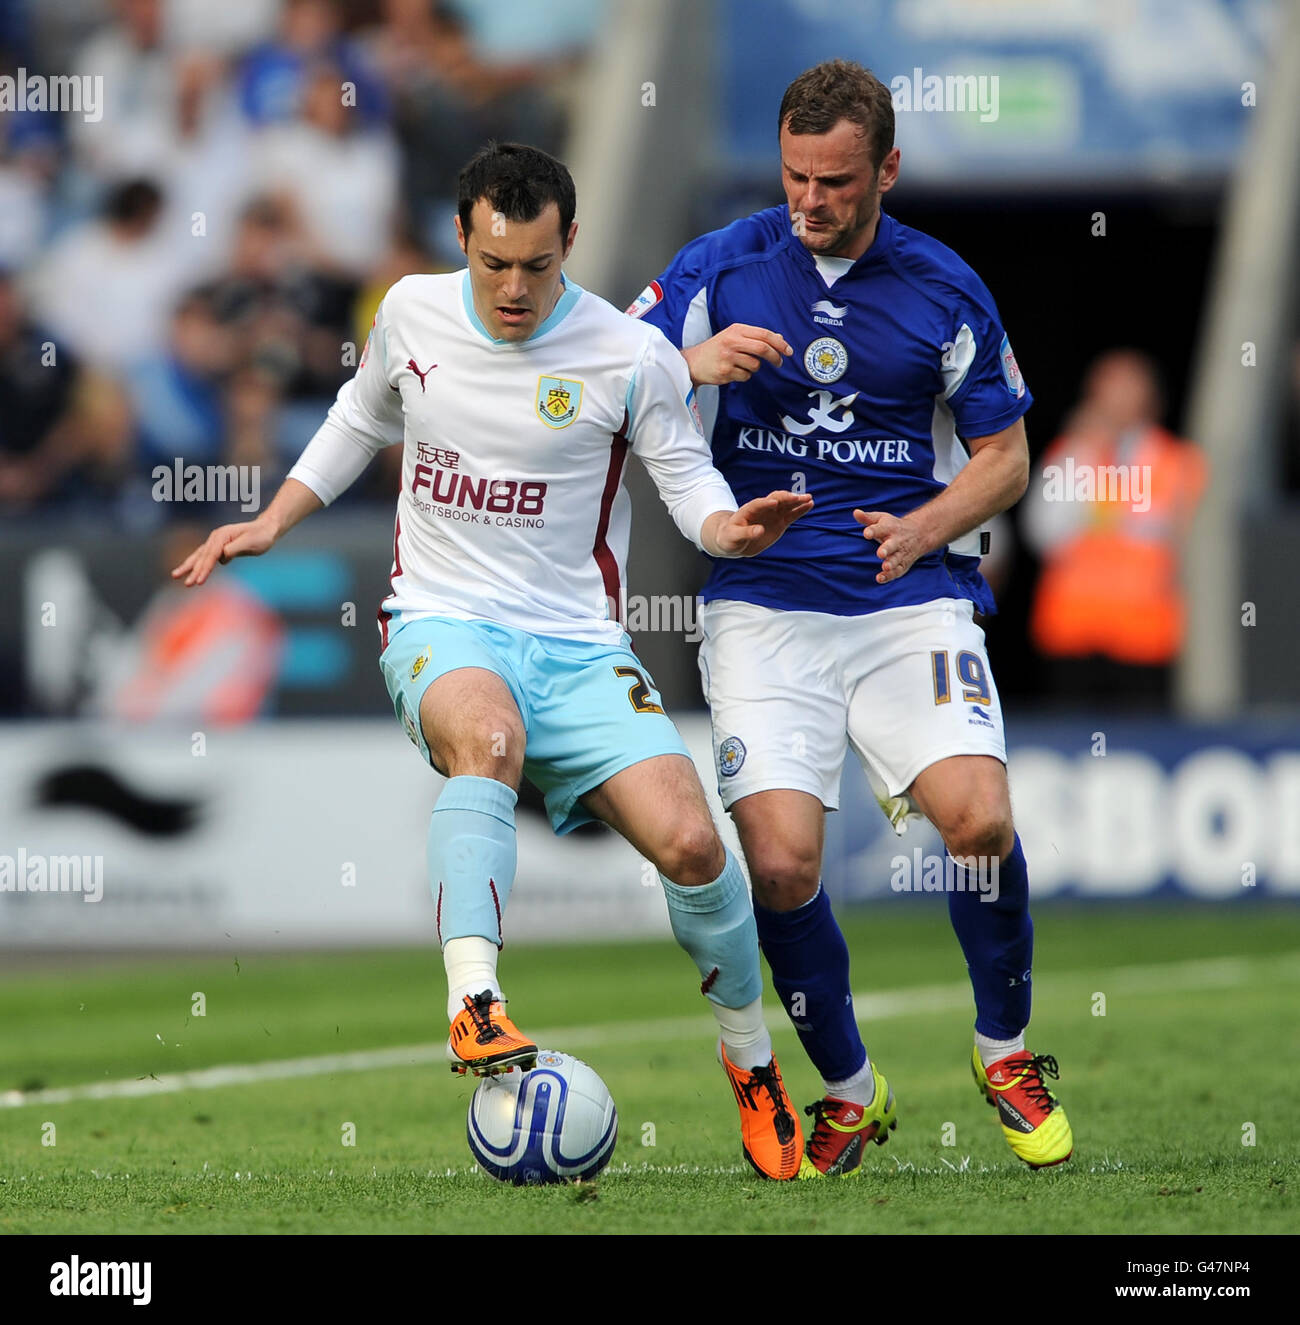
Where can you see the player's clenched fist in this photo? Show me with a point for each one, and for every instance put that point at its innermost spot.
(899, 543)
(249, 539)
(757, 525)
(735, 354)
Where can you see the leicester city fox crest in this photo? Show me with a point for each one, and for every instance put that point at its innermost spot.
(731, 755)
(826, 360)
(558, 401)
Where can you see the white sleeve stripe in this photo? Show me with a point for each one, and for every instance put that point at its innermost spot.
(695, 325)
(957, 360)
(950, 458)
(696, 328)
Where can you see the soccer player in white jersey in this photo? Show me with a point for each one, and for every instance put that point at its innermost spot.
(837, 350)
(516, 396)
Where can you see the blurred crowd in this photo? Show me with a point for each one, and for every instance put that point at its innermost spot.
(189, 272)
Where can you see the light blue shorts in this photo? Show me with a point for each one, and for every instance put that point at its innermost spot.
(589, 710)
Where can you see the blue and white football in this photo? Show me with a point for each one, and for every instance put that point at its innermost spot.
(554, 1123)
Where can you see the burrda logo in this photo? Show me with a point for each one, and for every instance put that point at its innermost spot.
(829, 314)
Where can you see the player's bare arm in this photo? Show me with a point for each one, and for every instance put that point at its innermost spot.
(735, 354)
(250, 538)
(755, 526)
(995, 479)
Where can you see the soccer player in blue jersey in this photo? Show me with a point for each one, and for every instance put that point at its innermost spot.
(839, 352)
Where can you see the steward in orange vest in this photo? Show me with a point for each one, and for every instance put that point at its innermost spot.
(1107, 511)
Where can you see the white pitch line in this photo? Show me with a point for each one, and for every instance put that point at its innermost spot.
(1166, 978)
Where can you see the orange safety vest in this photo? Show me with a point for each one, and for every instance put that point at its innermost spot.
(1113, 589)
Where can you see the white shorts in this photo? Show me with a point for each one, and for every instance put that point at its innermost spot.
(789, 692)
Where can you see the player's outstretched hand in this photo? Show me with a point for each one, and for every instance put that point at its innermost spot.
(735, 354)
(899, 542)
(759, 523)
(249, 539)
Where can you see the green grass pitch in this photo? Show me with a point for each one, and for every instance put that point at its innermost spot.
(1194, 1057)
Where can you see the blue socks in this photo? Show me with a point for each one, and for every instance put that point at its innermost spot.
(715, 924)
(472, 856)
(810, 972)
(997, 939)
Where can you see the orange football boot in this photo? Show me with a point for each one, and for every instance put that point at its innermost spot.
(770, 1134)
(483, 1040)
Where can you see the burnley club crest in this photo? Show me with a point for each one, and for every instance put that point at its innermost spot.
(558, 401)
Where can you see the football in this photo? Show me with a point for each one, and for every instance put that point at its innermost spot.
(554, 1123)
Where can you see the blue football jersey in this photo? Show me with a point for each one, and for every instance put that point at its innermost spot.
(894, 363)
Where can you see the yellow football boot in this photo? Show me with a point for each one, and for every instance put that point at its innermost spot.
(1032, 1118)
(842, 1129)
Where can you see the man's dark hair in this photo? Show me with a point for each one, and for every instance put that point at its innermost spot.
(838, 90)
(518, 182)
(133, 201)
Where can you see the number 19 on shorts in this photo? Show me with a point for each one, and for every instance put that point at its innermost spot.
(971, 676)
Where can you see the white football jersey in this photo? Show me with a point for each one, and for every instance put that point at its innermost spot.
(512, 506)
